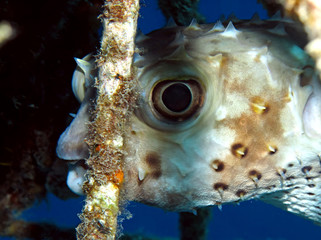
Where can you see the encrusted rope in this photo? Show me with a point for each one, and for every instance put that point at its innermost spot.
(114, 104)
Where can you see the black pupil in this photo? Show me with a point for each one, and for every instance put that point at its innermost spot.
(177, 97)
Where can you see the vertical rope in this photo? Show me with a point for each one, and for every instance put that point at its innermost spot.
(194, 227)
(115, 102)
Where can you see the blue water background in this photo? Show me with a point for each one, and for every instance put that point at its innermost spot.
(252, 220)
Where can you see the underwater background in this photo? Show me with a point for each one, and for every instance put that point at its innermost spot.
(251, 220)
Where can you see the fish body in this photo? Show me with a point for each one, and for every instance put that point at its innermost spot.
(225, 113)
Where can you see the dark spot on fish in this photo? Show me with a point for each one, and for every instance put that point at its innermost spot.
(153, 160)
(239, 150)
(156, 174)
(290, 165)
(290, 178)
(271, 152)
(267, 108)
(133, 132)
(290, 185)
(311, 185)
(220, 186)
(310, 193)
(281, 171)
(259, 105)
(240, 193)
(306, 169)
(218, 165)
(255, 174)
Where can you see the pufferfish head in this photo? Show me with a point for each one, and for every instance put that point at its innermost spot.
(224, 114)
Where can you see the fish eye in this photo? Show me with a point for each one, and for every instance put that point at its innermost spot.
(176, 100)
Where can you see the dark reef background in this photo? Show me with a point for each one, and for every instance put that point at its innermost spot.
(35, 71)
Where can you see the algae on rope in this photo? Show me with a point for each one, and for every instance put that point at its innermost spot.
(115, 100)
